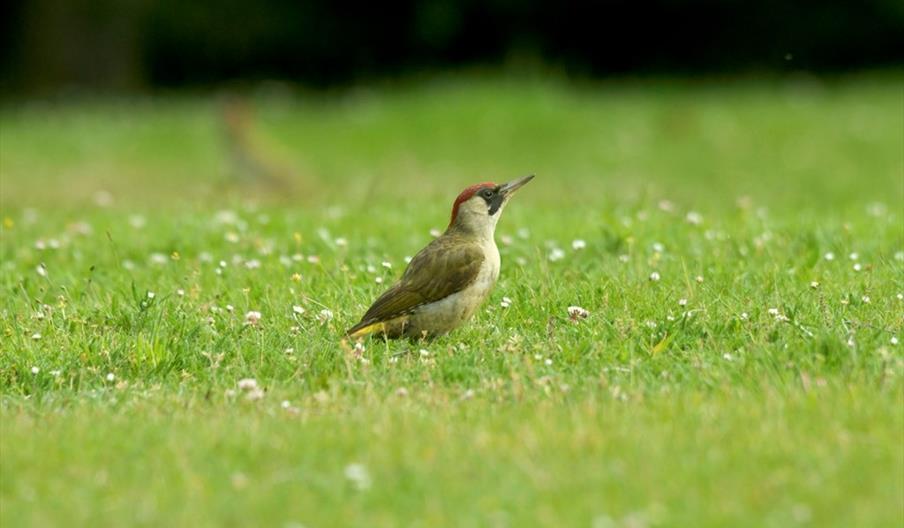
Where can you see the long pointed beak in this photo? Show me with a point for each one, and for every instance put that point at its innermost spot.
(508, 189)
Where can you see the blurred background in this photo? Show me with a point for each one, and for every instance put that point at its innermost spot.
(49, 46)
(153, 102)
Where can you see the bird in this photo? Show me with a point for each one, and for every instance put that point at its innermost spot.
(449, 279)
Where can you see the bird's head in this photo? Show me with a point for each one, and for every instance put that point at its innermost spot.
(478, 207)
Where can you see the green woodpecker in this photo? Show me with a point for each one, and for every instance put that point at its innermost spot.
(446, 281)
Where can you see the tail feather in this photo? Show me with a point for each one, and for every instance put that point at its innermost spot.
(364, 328)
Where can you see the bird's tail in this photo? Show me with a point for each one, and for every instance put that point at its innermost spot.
(363, 329)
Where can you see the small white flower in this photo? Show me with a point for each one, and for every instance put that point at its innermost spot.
(424, 352)
(899, 255)
(56, 373)
(41, 269)
(623, 258)
(699, 278)
(654, 277)
(230, 308)
(744, 316)
(578, 244)
(151, 295)
(576, 312)
(223, 264)
(40, 245)
(407, 259)
(547, 362)
(137, 221)
(666, 206)
(814, 284)
(341, 242)
(111, 376)
(658, 247)
(682, 302)
(386, 264)
(254, 394)
(40, 315)
(325, 315)
(313, 259)
(358, 475)
(727, 357)
(232, 237)
(900, 296)
(285, 404)
(865, 299)
(378, 280)
(857, 267)
(854, 256)
(694, 218)
(252, 317)
(506, 302)
(35, 370)
(435, 232)
(523, 233)
(556, 254)
(247, 384)
(180, 292)
(159, 259)
(829, 256)
(506, 240)
(893, 340)
(401, 392)
(773, 311)
(36, 336)
(298, 309)
(253, 264)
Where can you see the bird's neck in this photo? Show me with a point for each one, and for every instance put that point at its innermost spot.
(478, 233)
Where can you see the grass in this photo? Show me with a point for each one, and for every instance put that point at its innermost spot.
(756, 383)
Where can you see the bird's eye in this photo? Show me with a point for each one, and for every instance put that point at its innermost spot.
(487, 193)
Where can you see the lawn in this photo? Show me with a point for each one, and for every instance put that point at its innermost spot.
(739, 247)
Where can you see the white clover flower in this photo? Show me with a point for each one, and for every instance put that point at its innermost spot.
(325, 315)
(829, 256)
(744, 316)
(341, 242)
(772, 311)
(424, 352)
(576, 312)
(358, 475)
(254, 394)
(899, 255)
(151, 295)
(378, 280)
(556, 254)
(435, 232)
(252, 317)
(36, 336)
(578, 244)
(180, 292)
(40, 245)
(682, 302)
(523, 233)
(253, 264)
(857, 267)
(111, 376)
(231, 236)
(814, 284)
(506, 240)
(854, 256)
(35, 370)
(298, 309)
(230, 308)
(727, 357)
(41, 269)
(893, 340)
(506, 302)
(247, 384)
(285, 404)
(654, 277)
(699, 279)
(658, 247)
(137, 221)
(623, 258)
(666, 205)
(386, 264)
(865, 299)
(694, 218)
(547, 362)
(900, 296)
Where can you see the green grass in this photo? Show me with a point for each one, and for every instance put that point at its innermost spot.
(756, 383)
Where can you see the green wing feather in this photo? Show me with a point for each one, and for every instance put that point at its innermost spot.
(446, 266)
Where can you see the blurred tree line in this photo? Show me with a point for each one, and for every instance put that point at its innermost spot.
(123, 45)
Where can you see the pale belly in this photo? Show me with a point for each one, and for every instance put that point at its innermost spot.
(443, 316)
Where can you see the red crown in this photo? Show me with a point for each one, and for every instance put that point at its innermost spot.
(466, 195)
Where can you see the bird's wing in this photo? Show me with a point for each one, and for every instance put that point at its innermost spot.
(444, 267)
